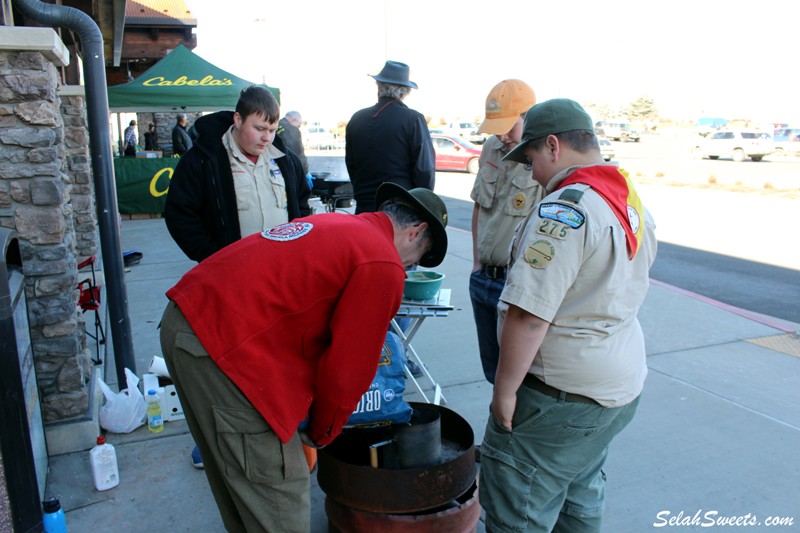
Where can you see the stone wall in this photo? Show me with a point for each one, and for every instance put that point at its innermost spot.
(43, 162)
(164, 123)
(79, 170)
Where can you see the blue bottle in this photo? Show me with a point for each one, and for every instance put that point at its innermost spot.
(54, 520)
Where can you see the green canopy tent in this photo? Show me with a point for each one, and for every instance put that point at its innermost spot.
(181, 81)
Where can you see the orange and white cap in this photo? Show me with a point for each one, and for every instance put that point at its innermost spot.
(506, 102)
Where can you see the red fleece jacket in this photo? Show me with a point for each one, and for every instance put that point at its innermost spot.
(297, 320)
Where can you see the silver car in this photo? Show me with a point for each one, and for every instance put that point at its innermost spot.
(736, 144)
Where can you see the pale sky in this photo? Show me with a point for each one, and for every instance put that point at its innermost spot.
(694, 58)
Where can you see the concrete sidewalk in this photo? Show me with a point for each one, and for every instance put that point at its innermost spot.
(718, 427)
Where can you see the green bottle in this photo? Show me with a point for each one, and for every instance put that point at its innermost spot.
(155, 421)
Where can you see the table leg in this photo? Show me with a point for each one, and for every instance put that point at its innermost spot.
(406, 337)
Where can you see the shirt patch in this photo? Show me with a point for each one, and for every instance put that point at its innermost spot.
(274, 168)
(553, 228)
(540, 253)
(287, 232)
(519, 201)
(562, 213)
(633, 217)
(571, 195)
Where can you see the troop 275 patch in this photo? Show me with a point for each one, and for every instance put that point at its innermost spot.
(562, 213)
(287, 232)
(540, 253)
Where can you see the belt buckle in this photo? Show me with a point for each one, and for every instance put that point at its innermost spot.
(491, 271)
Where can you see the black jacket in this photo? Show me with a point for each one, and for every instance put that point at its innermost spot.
(181, 142)
(201, 210)
(387, 142)
(293, 140)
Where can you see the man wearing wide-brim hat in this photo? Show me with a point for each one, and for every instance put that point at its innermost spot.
(283, 329)
(388, 142)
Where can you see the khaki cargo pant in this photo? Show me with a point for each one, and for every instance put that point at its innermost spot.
(260, 484)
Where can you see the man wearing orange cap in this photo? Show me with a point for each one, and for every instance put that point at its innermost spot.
(504, 193)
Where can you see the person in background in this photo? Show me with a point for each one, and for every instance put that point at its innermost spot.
(388, 142)
(294, 347)
(289, 130)
(131, 138)
(504, 193)
(150, 137)
(181, 142)
(572, 355)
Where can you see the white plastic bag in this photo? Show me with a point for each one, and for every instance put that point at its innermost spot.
(125, 410)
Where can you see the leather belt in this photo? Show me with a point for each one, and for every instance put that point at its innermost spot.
(494, 272)
(538, 385)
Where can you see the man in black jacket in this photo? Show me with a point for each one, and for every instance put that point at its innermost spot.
(181, 142)
(388, 141)
(237, 180)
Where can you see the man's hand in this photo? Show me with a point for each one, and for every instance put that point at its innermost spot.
(520, 339)
(503, 407)
(308, 441)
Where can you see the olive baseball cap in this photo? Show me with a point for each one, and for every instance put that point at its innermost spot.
(547, 118)
(430, 208)
(506, 102)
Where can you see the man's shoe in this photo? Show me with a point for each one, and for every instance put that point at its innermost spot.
(197, 461)
(414, 368)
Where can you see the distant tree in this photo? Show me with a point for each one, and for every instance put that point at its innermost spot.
(642, 107)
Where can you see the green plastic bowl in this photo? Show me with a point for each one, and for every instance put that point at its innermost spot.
(422, 284)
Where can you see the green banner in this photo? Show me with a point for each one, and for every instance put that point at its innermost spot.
(142, 184)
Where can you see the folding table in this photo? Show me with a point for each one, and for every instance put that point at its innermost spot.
(418, 311)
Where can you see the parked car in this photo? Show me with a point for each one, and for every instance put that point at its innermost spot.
(616, 130)
(466, 130)
(455, 153)
(736, 144)
(787, 141)
(318, 138)
(606, 148)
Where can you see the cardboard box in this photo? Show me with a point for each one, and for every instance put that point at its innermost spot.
(171, 408)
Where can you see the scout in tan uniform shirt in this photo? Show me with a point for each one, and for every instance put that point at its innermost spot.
(504, 192)
(572, 356)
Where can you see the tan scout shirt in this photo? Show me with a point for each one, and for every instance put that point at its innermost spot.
(260, 188)
(505, 192)
(575, 273)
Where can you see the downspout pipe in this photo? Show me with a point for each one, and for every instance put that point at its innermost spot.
(100, 150)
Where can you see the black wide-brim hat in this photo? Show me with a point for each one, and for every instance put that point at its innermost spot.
(395, 73)
(430, 208)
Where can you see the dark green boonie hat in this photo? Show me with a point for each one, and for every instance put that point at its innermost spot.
(547, 118)
(430, 208)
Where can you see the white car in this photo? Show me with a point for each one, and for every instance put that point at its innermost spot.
(736, 144)
(606, 148)
(318, 138)
(466, 130)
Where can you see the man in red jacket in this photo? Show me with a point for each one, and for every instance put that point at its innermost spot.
(283, 327)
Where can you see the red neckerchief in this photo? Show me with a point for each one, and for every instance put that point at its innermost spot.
(613, 185)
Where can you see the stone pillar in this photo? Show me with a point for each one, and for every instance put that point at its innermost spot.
(36, 184)
(79, 169)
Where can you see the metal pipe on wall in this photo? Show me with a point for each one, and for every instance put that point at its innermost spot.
(102, 168)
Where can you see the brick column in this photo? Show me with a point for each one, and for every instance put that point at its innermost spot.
(39, 170)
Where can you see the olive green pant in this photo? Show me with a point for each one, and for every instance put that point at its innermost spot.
(259, 483)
